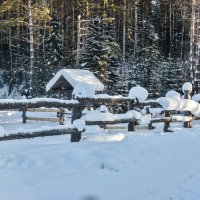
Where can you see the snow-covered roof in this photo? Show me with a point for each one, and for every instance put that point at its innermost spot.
(77, 77)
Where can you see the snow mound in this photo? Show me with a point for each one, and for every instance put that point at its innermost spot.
(8, 161)
(79, 124)
(196, 97)
(173, 94)
(93, 129)
(187, 86)
(107, 138)
(103, 108)
(131, 114)
(145, 119)
(98, 116)
(138, 92)
(168, 103)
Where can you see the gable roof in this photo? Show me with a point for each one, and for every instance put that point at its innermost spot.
(76, 77)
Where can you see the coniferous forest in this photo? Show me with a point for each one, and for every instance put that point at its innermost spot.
(151, 43)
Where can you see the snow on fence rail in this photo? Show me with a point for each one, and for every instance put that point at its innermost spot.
(6, 104)
(118, 100)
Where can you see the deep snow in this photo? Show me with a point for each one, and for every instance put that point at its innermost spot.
(104, 165)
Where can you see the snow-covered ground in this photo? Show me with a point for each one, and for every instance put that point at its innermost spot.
(104, 165)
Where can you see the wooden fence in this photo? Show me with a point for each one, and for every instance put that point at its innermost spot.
(76, 107)
(47, 105)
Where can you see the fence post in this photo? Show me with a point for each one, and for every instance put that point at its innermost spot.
(61, 116)
(187, 124)
(24, 115)
(76, 114)
(150, 126)
(131, 124)
(76, 136)
(167, 123)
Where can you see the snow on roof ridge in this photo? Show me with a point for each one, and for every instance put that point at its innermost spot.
(76, 77)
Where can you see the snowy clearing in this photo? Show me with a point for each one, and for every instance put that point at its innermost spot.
(104, 165)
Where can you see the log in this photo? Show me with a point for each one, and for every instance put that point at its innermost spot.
(43, 119)
(31, 103)
(112, 101)
(167, 119)
(104, 123)
(45, 110)
(52, 132)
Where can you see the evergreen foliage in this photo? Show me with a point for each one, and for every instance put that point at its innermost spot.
(149, 57)
(173, 76)
(101, 52)
(50, 56)
(159, 29)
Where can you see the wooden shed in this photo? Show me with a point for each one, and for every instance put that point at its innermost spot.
(74, 81)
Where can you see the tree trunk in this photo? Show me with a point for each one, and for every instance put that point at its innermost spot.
(30, 26)
(124, 40)
(78, 40)
(192, 42)
(136, 30)
(11, 62)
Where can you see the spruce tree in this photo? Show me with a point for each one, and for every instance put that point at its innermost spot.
(50, 56)
(173, 76)
(148, 61)
(101, 53)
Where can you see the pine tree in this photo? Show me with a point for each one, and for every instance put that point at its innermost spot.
(50, 56)
(101, 51)
(173, 76)
(147, 63)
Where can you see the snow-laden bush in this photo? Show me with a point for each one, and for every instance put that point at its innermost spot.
(138, 92)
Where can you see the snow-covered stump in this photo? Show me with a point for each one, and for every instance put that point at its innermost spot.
(187, 124)
(131, 124)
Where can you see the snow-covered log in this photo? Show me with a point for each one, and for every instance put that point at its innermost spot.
(75, 134)
(121, 100)
(103, 123)
(6, 104)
